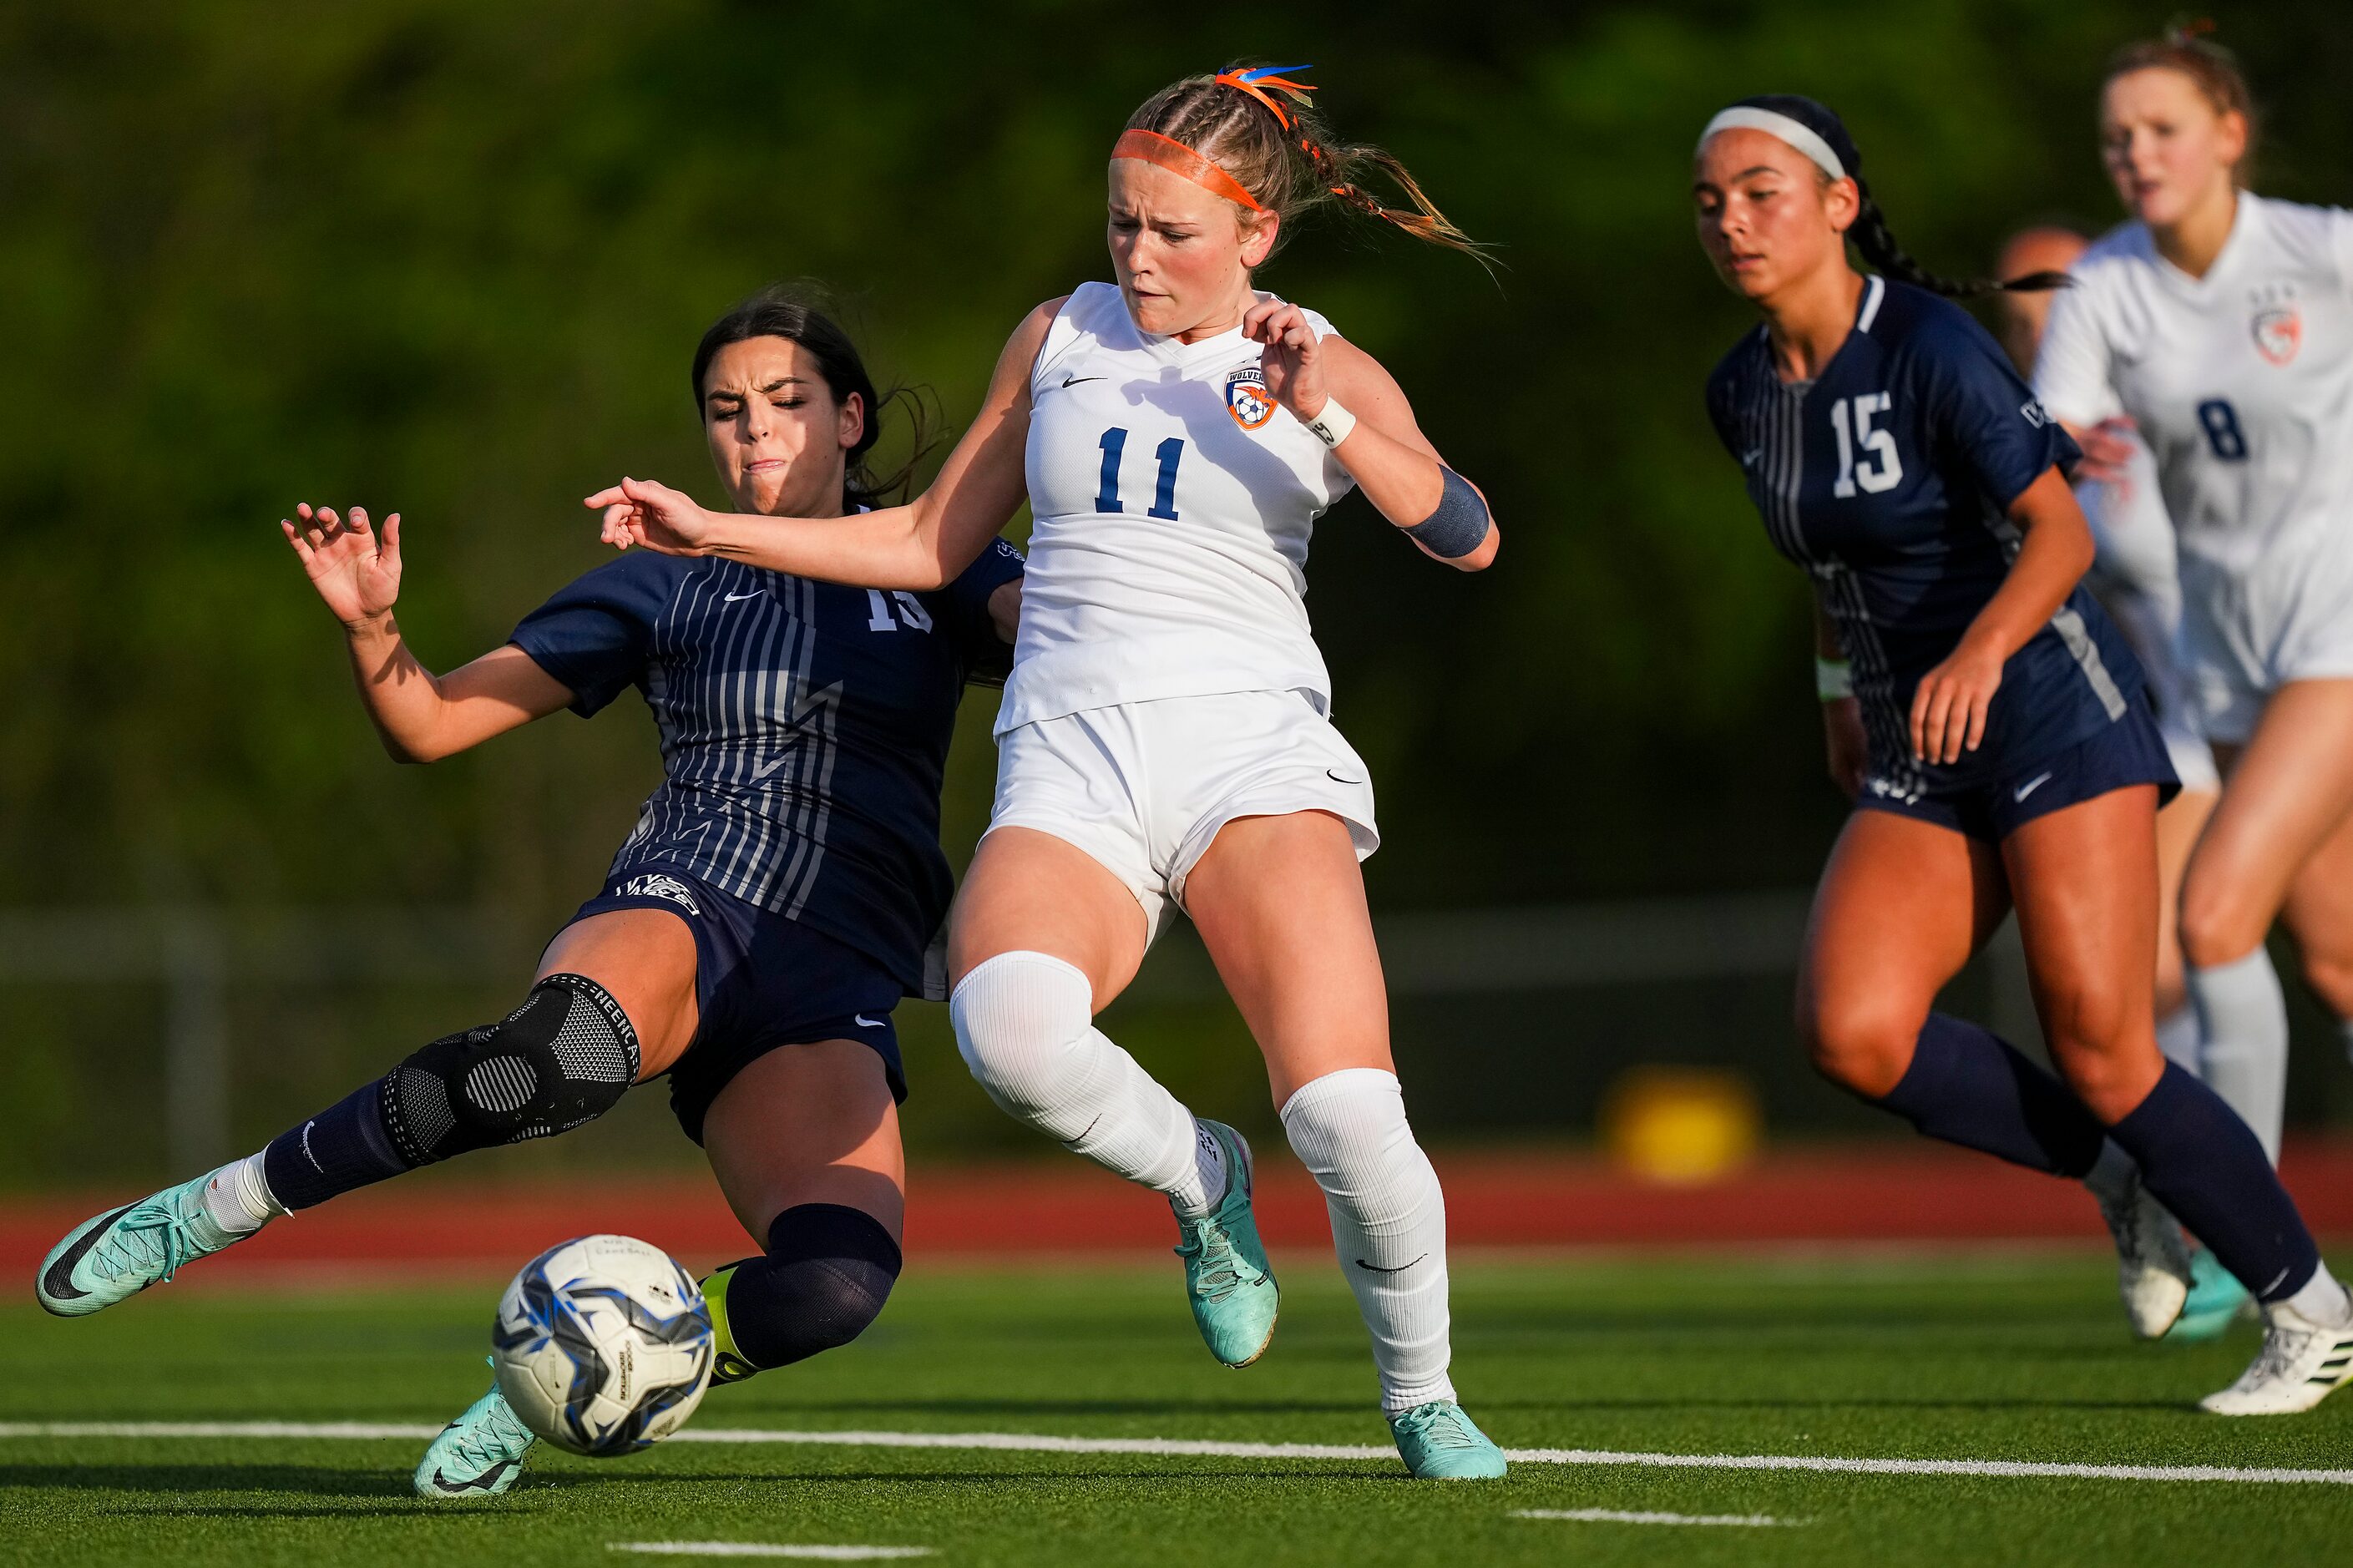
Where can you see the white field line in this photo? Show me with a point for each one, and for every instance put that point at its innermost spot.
(1618, 1516)
(760, 1549)
(1030, 1442)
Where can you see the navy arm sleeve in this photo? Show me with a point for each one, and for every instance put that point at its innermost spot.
(1984, 414)
(594, 634)
(986, 656)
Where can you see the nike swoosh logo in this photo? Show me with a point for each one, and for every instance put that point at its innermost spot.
(733, 598)
(1069, 380)
(1749, 459)
(1337, 777)
(2030, 785)
(863, 1022)
(1376, 1269)
(484, 1483)
(58, 1280)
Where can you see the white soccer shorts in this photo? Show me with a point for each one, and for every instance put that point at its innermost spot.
(1144, 787)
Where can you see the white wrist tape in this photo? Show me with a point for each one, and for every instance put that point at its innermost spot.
(1833, 678)
(1332, 426)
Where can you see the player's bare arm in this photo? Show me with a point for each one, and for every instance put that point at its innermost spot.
(1949, 706)
(1386, 454)
(421, 717)
(922, 545)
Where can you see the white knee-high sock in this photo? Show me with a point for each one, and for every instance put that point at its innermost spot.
(2244, 1018)
(1388, 1223)
(1024, 1022)
(2182, 1039)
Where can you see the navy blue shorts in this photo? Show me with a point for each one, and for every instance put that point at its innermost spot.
(2131, 751)
(761, 982)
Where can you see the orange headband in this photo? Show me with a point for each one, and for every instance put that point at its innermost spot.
(1151, 147)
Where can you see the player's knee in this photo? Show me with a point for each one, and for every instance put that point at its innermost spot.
(565, 1057)
(828, 1271)
(2330, 975)
(1860, 1046)
(2219, 925)
(1017, 1017)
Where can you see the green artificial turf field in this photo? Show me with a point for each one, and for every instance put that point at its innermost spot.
(1970, 1358)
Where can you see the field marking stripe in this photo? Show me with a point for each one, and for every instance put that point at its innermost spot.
(1619, 1516)
(1030, 1442)
(762, 1549)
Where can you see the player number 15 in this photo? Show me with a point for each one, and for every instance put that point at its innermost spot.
(1887, 472)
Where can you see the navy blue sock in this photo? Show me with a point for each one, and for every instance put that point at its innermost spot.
(1966, 1086)
(828, 1272)
(2206, 1166)
(342, 1147)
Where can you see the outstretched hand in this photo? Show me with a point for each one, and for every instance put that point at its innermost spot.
(357, 575)
(640, 511)
(2107, 449)
(1292, 360)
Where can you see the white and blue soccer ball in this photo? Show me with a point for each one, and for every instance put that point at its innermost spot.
(603, 1345)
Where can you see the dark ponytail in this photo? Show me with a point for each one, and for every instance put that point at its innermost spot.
(788, 311)
(1875, 242)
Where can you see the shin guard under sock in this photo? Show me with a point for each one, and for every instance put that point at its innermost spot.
(1966, 1086)
(1388, 1223)
(2243, 1016)
(2200, 1158)
(827, 1271)
(342, 1147)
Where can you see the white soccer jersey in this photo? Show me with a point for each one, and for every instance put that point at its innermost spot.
(1172, 501)
(2242, 383)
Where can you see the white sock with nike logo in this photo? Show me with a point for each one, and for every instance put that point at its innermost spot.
(1388, 1223)
(2244, 1059)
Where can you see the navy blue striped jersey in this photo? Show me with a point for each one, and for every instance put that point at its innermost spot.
(1889, 479)
(804, 726)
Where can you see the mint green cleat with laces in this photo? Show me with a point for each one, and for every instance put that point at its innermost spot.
(1227, 1277)
(2216, 1301)
(122, 1252)
(480, 1454)
(1439, 1443)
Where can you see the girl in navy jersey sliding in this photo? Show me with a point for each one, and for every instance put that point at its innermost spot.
(1993, 732)
(777, 899)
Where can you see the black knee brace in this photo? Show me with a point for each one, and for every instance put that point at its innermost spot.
(565, 1057)
(828, 1272)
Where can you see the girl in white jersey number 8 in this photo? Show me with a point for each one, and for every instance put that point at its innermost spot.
(2220, 324)
(1164, 736)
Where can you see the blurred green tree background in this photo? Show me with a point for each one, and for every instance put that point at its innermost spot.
(451, 259)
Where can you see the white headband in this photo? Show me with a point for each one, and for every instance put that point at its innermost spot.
(1782, 127)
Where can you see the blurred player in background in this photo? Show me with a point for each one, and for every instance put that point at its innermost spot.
(2218, 324)
(2134, 579)
(1165, 737)
(1990, 725)
(781, 891)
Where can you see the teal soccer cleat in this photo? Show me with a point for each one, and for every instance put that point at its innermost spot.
(1227, 1277)
(2216, 1301)
(480, 1454)
(123, 1251)
(1439, 1443)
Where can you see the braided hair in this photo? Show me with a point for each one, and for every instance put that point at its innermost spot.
(1873, 239)
(1262, 129)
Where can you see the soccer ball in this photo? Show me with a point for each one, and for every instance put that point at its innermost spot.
(603, 1345)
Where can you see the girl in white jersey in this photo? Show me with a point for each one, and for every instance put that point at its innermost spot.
(1164, 737)
(2219, 325)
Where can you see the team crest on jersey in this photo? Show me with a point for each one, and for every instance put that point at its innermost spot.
(2279, 332)
(1246, 399)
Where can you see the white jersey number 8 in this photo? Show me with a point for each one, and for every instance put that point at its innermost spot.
(1879, 444)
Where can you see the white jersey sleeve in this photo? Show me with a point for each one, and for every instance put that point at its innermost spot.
(2071, 367)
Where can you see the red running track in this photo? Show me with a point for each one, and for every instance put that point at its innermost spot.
(438, 1226)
